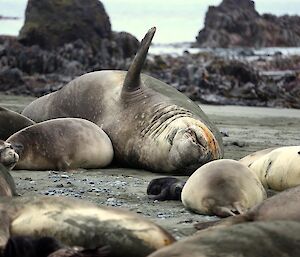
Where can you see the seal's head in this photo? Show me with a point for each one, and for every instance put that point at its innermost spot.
(8, 155)
(192, 144)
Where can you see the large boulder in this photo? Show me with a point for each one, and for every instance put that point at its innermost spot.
(237, 23)
(51, 24)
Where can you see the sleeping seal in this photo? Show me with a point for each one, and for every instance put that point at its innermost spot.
(279, 169)
(80, 223)
(151, 124)
(249, 159)
(62, 144)
(282, 206)
(7, 184)
(8, 155)
(11, 122)
(272, 239)
(223, 187)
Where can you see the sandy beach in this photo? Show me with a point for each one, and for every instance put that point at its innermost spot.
(248, 129)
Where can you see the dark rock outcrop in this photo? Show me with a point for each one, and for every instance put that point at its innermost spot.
(52, 24)
(237, 23)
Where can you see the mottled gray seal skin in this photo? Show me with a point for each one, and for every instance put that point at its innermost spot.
(80, 223)
(11, 122)
(272, 239)
(62, 144)
(279, 169)
(282, 206)
(151, 125)
(166, 188)
(7, 184)
(8, 155)
(223, 188)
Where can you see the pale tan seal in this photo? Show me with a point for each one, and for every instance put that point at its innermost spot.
(249, 159)
(223, 187)
(80, 223)
(62, 144)
(258, 239)
(11, 122)
(151, 124)
(282, 206)
(279, 169)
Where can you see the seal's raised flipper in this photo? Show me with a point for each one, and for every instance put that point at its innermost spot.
(132, 79)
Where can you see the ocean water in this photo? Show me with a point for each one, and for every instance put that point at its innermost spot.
(176, 20)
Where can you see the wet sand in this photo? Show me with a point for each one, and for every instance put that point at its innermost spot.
(248, 128)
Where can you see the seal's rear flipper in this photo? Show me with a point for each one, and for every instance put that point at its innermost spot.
(132, 79)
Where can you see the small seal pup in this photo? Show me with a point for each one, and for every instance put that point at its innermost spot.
(166, 188)
(76, 222)
(62, 144)
(8, 155)
(11, 122)
(282, 206)
(7, 184)
(151, 124)
(223, 188)
(279, 169)
(272, 239)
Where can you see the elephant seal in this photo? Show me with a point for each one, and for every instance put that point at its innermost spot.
(151, 125)
(8, 155)
(76, 222)
(166, 188)
(249, 159)
(7, 184)
(272, 239)
(282, 206)
(279, 169)
(63, 144)
(11, 122)
(29, 246)
(222, 187)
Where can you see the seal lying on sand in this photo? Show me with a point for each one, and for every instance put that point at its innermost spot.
(62, 144)
(151, 124)
(282, 206)
(8, 155)
(249, 159)
(80, 223)
(29, 246)
(166, 188)
(7, 184)
(279, 169)
(223, 187)
(11, 122)
(272, 239)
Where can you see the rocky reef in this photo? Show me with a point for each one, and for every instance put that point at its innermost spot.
(237, 23)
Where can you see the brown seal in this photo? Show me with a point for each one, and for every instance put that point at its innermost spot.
(11, 122)
(222, 187)
(151, 124)
(62, 144)
(80, 223)
(272, 239)
(7, 184)
(8, 155)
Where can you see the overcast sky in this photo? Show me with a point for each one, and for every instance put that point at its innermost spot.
(176, 20)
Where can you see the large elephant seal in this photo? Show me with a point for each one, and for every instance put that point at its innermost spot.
(151, 124)
(223, 187)
(62, 144)
(279, 169)
(11, 122)
(80, 223)
(272, 239)
(166, 188)
(282, 206)
(7, 184)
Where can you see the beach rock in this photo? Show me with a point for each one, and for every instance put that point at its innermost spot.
(51, 24)
(237, 23)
